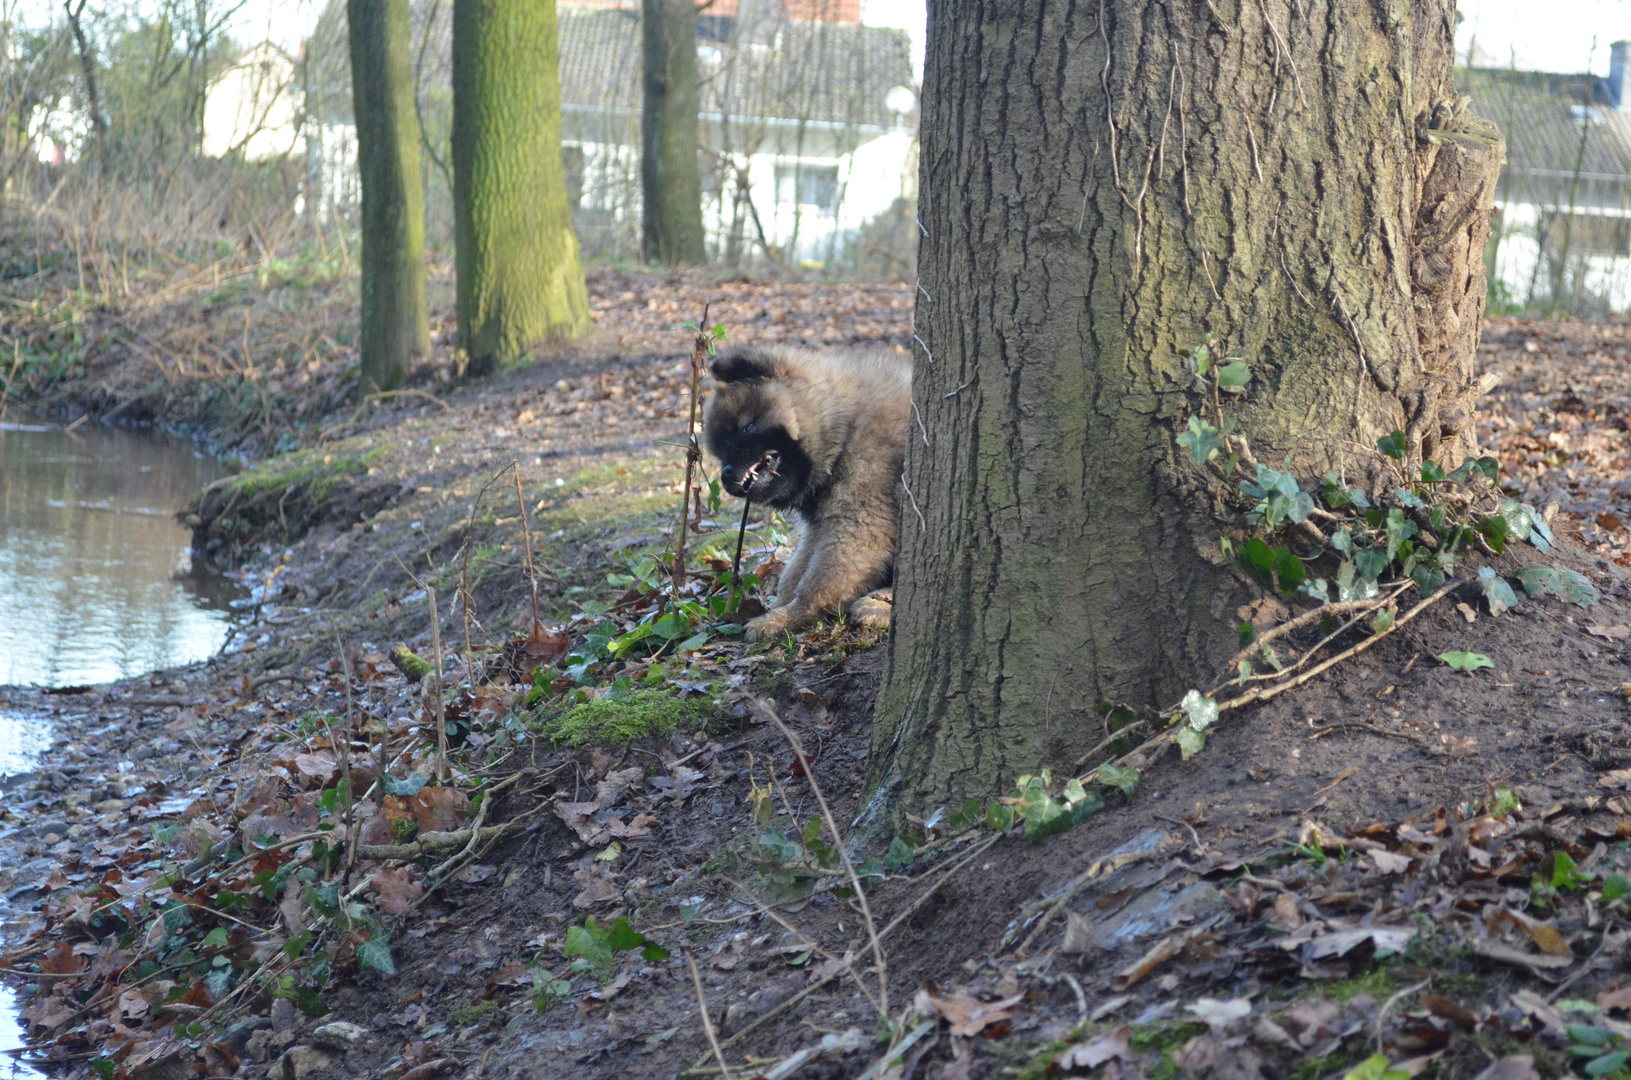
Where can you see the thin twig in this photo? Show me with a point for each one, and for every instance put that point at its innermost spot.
(436, 690)
(843, 853)
(526, 532)
(693, 454)
(707, 1021)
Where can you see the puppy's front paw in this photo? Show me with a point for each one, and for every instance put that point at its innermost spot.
(873, 609)
(769, 625)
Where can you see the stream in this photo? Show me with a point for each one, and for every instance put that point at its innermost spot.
(96, 579)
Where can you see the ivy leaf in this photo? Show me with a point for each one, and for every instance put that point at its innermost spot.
(1497, 591)
(1566, 584)
(1248, 634)
(1371, 564)
(408, 787)
(590, 943)
(1375, 1067)
(1337, 495)
(1125, 779)
(1257, 559)
(1233, 375)
(1201, 440)
(1190, 742)
(1408, 499)
(1399, 529)
(1383, 620)
(1466, 661)
(1392, 445)
(1428, 579)
(1540, 533)
(1486, 467)
(1043, 814)
(1201, 710)
(1614, 887)
(1342, 540)
(1353, 586)
(1289, 568)
(1431, 473)
(1202, 357)
(1316, 589)
(1519, 519)
(376, 953)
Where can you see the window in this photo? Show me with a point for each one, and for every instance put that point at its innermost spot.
(808, 185)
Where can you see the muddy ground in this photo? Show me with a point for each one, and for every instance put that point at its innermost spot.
(1397, 858)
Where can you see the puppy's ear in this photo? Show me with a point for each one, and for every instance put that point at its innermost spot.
(744, 364)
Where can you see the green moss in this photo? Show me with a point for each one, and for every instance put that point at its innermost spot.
(471, 1014)
(654, 712)
(318, 473)
(1377, 982)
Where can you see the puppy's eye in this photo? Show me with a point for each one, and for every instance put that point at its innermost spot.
(746, 429)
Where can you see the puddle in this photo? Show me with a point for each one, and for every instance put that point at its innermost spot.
(96, 580)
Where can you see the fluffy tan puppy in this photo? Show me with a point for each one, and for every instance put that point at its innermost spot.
(821, 434)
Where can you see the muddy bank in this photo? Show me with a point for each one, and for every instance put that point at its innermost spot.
(1398, 856)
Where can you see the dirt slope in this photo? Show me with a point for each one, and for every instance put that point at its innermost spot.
(1397, 857)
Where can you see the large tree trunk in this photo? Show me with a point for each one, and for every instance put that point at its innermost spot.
(519, 278)
(395, 326)
(670, 176)
(1104, 185)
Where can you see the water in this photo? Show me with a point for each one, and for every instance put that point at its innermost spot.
(96, 581)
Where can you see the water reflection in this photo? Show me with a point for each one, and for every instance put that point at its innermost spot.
(96, 582)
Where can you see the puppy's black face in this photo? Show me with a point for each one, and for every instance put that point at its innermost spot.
(758, 459)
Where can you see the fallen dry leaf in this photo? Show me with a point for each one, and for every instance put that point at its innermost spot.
(1616, 779)
(1612, 633)
(1095, 1052)
(1285, 906)
(1078, 933)
(1220, 1016)
(396, 888)
(1389, 862)
(1617, 998)
(967, 1015)
(1339, 942)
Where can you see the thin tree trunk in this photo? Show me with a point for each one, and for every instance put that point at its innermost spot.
(87, 67)
(395, 326)
(519, 278)
(1104, 185)
(670, 173)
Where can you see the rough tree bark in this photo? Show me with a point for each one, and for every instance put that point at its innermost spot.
(519, 278)
(1103, 186)
(670, 176)
(395, 325)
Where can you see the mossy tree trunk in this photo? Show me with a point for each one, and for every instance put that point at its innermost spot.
(670, 175)
(520, 281)
(395, 326)
(1296, 178)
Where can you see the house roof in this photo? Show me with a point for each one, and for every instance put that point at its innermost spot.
(1563, 134)
(788, 69)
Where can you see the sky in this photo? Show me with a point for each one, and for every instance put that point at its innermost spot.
(1556, 35)
(1552, 36)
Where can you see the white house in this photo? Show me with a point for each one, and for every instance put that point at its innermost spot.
(1562, 233)
(809, 125)
(251, 108)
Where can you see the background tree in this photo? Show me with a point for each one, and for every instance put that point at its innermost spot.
(670, 174)
(395, 325)
(1104, 187)
(519, 278)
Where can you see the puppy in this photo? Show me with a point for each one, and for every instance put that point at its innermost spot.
(823, 435)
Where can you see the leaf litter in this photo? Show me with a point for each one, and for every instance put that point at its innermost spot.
(1258, 941)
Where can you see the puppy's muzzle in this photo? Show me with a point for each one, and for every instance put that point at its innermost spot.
(760, 472)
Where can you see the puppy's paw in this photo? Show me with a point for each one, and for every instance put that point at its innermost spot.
(873, 609)
(769, 625)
